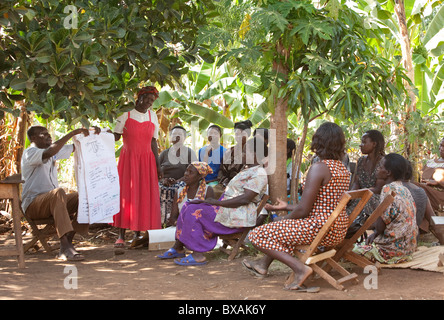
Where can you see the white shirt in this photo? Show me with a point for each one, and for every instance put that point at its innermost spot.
(40, 175)
(139, 117)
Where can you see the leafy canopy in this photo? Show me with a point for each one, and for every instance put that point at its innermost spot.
(84, 59)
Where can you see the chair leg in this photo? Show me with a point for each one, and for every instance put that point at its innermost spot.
(238, 245)
(39, 235)
(327, 277)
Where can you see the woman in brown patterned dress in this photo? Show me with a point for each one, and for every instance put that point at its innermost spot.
(327, 180)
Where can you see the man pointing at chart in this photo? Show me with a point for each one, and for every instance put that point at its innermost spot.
(41, 197)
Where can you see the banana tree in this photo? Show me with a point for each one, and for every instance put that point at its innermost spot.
(210, 94)
(421, 29)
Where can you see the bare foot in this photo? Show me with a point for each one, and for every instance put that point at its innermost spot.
(295, 281)
(255, 268)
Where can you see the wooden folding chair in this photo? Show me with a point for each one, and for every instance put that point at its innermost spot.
(40, 234)
(344, 249)
(309, 254)
(236, 240)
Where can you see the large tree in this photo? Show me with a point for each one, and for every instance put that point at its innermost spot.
(85, 59)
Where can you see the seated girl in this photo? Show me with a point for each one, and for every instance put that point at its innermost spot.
(202, 219)
(394, 237)
(327, 180)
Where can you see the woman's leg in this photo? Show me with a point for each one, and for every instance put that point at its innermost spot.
(301, 271)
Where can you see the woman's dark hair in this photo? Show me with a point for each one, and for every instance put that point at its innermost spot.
(396, 164)
(261, 132)
(291, 145)
(215, 126)
(244, 126)
(328, 142)
(377, 137)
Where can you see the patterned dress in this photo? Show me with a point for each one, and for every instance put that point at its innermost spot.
(365, 180)
(285, 235)
(398, 242)
(197, 226)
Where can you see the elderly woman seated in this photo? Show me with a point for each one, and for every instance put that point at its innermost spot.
(201, 219)
(394, 238)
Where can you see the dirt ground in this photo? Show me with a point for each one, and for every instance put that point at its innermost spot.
(138, 275)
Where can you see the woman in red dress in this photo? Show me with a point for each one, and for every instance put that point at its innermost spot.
(138, 168)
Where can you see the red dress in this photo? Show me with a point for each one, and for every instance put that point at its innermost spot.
(139, 188)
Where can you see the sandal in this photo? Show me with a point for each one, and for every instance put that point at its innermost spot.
(303, 289)
(189, 261)
(252, 270)
(120, 243)
(75, 257)
(171, 254)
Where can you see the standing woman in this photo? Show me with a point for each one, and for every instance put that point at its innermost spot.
(138, 167)
(373, 150)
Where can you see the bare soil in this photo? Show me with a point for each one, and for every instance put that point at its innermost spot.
(138, 275)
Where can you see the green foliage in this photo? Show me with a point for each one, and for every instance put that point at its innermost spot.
(85, 60)
(329, 67)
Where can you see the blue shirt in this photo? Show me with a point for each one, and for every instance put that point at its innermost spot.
(214, 160)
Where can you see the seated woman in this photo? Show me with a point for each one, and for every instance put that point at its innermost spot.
(173, 162)
(201, 220)
(394, 237)
(213, 153)
(326, 181)
(432, 181)
(424, 210)
(372, 147)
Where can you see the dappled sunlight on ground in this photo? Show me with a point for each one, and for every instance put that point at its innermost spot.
(138, 274)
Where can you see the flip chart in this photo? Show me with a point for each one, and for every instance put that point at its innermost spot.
(97, 178)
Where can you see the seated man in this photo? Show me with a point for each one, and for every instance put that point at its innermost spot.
(41, 196)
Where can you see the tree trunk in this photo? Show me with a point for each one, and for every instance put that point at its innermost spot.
(21, 137)
(278, 123)
(410, 148)
(297, 165)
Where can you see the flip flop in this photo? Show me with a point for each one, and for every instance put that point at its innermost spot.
(252, 270)
(171, 254)
(189, 261)
(303, 289)
(119, 244)
(64, 257)
(299, 288)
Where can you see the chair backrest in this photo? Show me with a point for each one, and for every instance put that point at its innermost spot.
(380, 209)
(364, 194)
(262, 204)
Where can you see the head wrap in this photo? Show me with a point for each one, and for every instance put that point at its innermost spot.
(203, 169)
(148, 90)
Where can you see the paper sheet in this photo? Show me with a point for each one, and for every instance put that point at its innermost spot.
(97, 178)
